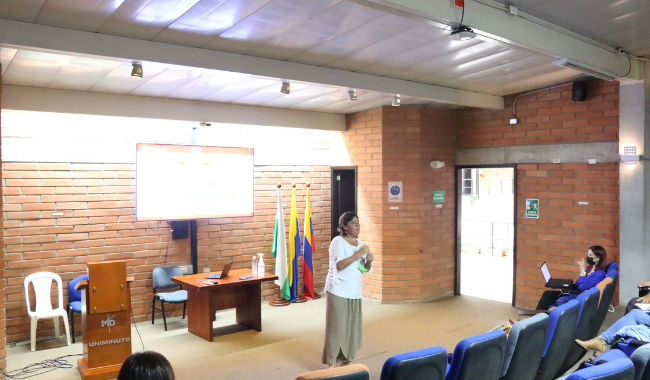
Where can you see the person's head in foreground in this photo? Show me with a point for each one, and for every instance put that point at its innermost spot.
(147, 365)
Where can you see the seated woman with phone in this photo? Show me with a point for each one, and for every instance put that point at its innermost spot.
(592, 271)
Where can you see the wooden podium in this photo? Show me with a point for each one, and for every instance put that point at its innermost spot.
(105, 312)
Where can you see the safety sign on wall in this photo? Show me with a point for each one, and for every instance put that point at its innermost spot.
(532, 208)
(394, 191)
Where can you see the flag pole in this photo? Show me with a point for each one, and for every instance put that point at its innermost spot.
(300, 297)
(279, 301)
(316, 295)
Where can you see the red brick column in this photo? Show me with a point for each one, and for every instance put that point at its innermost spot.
(3, 315)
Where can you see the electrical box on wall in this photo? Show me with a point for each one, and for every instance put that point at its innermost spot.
(180, 229)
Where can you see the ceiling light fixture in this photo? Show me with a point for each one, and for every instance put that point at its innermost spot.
(594, 72)
(352, 95)
(463, 33)
(137, 69)
(396, 100)
(286, 88)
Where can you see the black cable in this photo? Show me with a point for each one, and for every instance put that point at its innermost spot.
(462, 15)
(630, 61)
(136, 327)
(36, 369)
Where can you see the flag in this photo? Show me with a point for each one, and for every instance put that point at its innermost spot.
(294, 248)
(279, 251)
(307, 251)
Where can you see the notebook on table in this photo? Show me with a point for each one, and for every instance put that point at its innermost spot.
(223, 273)
(554, 282)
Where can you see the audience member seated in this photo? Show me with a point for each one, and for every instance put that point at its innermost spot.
(609, 336)
(147, 365)
(644, 296)
(592, 271)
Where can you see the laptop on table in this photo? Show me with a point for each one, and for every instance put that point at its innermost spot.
(554, 282)
(223, 273)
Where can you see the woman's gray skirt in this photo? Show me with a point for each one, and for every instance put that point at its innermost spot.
(342, 329)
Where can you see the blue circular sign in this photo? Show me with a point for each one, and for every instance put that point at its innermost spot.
(395, 190)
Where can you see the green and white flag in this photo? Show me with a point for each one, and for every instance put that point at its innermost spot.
(279, 251)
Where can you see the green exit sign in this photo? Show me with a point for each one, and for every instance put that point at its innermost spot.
(438, 196)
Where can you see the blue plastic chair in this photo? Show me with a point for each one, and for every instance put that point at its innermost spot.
(478, 357)
(617, 369)
(586, 318)
(426, 364)
(74, 301)
(524, 348)
(640, 356)
(561, 331)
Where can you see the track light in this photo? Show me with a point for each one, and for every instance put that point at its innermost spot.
(594, 72)
(463, 33)
(286, 88)
(137, 69)
(396, 100)
(352, 95)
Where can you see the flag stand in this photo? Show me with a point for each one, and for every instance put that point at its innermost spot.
(279, 301)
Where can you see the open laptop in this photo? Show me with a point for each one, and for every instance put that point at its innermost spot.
(554, 282)
(224, 271)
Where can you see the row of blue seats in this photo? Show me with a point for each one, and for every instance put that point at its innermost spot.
(538, 348)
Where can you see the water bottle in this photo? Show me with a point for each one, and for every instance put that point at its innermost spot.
(254, 265)
(260, 265)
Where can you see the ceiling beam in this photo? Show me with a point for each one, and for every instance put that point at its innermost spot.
(489, 20)
(21, 98)
(32, 36)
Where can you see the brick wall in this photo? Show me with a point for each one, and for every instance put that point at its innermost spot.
(414, 244)
(3, 320)
(547, 117)
(98, 223)
(565, 229)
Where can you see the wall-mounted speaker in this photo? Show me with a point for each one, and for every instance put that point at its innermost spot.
(180, 229)
(580, 90)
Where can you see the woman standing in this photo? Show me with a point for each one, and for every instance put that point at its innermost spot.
(349, 258)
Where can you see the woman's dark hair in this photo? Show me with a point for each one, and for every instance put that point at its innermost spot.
(147, 365)
(343, 221)
(599, 252)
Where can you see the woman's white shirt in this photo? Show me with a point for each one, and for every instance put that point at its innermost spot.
(347, 282)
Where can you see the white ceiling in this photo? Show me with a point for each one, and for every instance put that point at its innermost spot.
(350, 38)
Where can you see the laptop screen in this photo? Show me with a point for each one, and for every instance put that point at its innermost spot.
(545, 272)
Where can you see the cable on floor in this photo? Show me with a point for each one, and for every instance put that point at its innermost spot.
(35, 369)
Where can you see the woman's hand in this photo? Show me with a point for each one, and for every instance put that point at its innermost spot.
(581, 263)
(370, 257)
(644, 299)
(363, 250)
(643, 284)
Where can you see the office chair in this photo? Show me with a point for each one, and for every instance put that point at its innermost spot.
(74, 301)
(162, 280)
(426, 364)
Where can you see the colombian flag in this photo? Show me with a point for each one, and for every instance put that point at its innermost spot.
(294, 248)
(279, 251)
(307, 250)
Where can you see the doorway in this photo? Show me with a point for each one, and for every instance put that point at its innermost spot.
(485, 239)
(344, 193)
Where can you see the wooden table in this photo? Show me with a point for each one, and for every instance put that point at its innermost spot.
(204, 300)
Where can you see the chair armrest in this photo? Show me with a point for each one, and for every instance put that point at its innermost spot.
(532, 312)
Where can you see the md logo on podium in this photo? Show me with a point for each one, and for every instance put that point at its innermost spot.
(108, 322)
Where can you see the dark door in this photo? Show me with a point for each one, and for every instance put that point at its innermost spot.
(344, 193)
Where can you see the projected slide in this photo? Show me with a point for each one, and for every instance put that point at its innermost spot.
(192, 182)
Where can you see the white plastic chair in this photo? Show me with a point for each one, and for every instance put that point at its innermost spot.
(42, 283)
